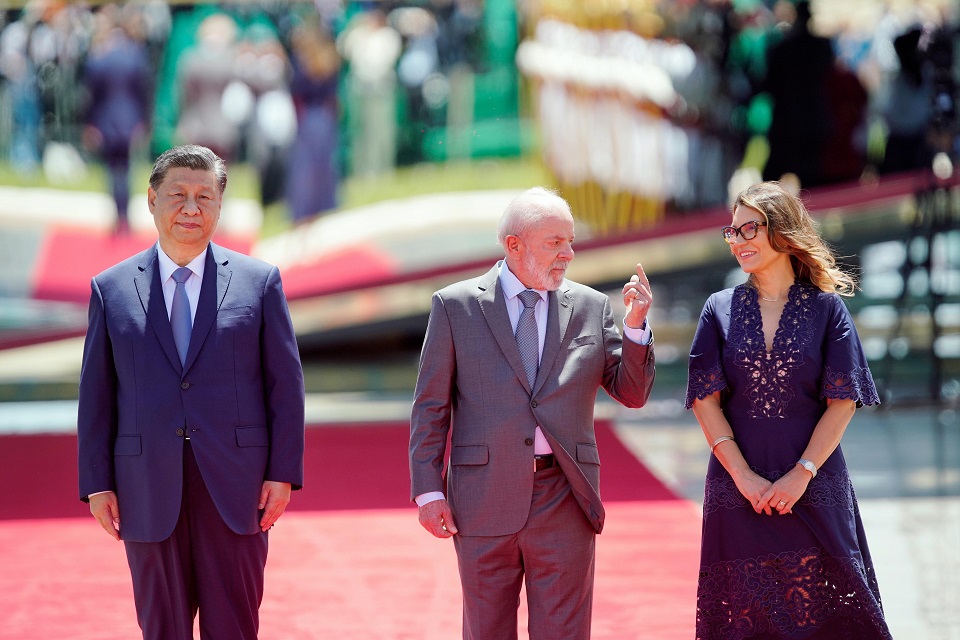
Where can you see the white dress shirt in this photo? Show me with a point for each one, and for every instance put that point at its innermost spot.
(192, 285)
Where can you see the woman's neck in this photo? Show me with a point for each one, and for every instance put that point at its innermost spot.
(772, 288)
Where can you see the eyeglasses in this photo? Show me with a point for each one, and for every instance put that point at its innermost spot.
(747, 231)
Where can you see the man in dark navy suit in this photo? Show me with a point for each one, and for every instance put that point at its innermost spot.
(191, 411)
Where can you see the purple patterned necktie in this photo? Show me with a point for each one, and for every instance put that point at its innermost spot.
(528, 340)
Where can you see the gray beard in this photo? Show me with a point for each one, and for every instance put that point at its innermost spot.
(544, 279)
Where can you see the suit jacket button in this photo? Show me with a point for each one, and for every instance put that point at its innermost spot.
(184, 385)
(528, 442)
(180, 433)
(533, 403)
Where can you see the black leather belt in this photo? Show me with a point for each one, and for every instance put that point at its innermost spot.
(544, 461)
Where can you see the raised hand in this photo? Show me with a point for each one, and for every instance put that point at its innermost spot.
(637, 297)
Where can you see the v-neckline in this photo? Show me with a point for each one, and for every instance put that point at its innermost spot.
(777, 333)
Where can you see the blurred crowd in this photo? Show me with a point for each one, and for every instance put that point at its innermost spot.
(843, 96)
(303, 91)
(642, 107)
(646, 107)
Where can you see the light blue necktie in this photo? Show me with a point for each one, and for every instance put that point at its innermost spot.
(528, 339)
(180, 319)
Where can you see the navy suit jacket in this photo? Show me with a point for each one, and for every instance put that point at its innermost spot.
(239, 396)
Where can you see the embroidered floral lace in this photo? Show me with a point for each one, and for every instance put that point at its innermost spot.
(769, 372)
(803, 594)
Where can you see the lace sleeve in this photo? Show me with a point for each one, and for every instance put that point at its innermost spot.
(846, 374)
(705, 373)
(703, 382)
(853, 384)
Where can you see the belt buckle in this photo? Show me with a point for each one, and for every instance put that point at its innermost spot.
(541, 458)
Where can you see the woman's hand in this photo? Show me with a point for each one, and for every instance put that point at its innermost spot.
(785, 492)
(753, 487)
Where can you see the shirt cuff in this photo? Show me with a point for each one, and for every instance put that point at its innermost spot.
(640, 336)
(430, 496)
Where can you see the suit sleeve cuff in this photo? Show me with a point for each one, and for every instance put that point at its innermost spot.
(430, 496)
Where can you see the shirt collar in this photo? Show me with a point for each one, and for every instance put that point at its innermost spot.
(168, 266)
(511, 284)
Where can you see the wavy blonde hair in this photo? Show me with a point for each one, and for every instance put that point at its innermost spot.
(791, 230)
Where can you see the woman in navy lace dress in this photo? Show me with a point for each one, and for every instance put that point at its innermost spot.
(776, 373)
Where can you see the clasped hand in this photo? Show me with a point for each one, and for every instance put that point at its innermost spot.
(766, 497)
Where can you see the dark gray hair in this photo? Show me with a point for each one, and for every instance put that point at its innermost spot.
(188, 156)
(527, 209)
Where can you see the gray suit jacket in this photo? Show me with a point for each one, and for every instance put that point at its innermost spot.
(472, 388)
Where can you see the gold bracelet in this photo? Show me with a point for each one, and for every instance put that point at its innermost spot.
(718, 441)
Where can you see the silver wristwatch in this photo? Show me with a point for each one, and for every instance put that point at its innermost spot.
(808, 465)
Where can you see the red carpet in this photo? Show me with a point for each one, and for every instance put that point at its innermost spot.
(88, 252)
(350, 561)
(341, 270)
(354, 467)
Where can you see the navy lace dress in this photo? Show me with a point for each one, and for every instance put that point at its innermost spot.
(807, 574)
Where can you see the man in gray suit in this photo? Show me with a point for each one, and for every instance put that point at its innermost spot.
(510, 369)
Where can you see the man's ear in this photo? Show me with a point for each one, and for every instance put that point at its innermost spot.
(513, 244)
(151, 198)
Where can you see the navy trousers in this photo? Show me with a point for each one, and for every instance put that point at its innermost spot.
(202, 567)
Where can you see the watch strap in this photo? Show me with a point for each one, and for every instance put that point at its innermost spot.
(808, 465)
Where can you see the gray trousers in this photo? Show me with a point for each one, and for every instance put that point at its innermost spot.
(554, 552)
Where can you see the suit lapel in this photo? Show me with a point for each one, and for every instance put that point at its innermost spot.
(494, 308)
(216, 278)
(559, 310)
(150, 290)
